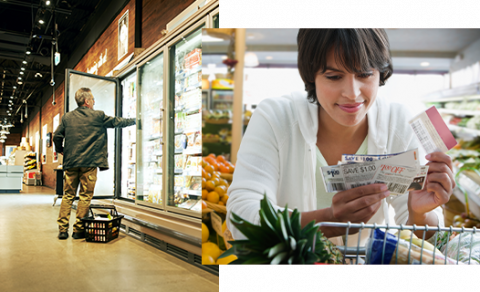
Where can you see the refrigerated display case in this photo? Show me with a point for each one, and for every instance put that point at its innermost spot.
(129, 137)
(150, 132)
(157, 163)
(185, 123)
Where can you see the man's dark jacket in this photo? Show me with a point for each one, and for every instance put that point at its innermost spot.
(85, 134)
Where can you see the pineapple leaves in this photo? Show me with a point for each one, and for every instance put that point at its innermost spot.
(311, 258)
(228, 252)
(276, 249)
(282, 230)
(293, 243)
(280, 239)
(279, 258)
(295, 222)
(268, 209)
(258, 260)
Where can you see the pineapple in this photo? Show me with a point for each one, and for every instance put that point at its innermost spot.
(280, 240)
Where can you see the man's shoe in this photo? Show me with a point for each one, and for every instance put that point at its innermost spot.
(63, 235)
(78, 235)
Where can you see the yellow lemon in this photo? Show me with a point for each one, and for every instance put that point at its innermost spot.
(221, 190)
(204, 194)
(224, 199)
(207, 259)
(205, 233)
(211, 249)
(226, 260)
(213, 197)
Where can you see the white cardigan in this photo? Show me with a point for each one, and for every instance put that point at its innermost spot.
(277, 156)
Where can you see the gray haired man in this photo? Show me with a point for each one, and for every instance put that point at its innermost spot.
(84, 131)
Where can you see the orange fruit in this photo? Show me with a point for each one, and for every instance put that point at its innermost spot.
(232, 168)
(221, 203)
(204, 181)
(221, 158)
(204, 163)
(215, 165)
(215, 175)
(208, 260)
(210, 185)
(224, 169)
(204, 194)
(216, 180)
(224, 182)
(209, 176)
(209, 160)
(224, 199)
(221, 190)
(211, 155)
(204, 205)
(209, 169)
(213, 197)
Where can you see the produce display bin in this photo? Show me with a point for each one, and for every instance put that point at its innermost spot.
(100, 228)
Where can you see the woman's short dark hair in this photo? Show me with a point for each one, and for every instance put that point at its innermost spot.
(358, 50)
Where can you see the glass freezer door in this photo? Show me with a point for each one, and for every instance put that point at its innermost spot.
(105, 90)
(129, 137)
(185, 125)
(149, 133)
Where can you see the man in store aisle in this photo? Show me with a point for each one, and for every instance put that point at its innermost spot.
(84, 131)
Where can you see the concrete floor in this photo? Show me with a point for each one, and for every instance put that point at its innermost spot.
(32, 258)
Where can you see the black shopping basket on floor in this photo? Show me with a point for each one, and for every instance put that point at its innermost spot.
(102, 227)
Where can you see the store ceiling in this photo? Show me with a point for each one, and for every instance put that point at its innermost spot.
(409, 47)
(21, 30)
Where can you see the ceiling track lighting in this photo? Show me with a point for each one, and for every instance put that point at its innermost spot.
(24, 62)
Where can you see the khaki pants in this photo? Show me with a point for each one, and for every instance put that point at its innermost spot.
(87, 177)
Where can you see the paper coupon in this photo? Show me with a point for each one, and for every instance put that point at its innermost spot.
(399, 171)
(432, 131)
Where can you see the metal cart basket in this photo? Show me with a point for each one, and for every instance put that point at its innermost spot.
(362, 254)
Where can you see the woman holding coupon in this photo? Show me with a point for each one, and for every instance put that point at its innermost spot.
(289, 138)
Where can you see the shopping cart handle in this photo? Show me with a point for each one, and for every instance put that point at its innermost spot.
(352, 250)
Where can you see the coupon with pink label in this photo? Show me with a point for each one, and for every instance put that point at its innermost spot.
(432, 131)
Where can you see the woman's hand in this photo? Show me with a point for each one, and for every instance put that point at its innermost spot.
(438, 187)
(359, 204)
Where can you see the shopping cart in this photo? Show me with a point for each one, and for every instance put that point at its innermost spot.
(363, 254)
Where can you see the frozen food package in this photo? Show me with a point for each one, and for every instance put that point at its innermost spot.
(190, 139)
(196, 183)
(177, 142)
(198, 139)
(179, 181)
(178, 162)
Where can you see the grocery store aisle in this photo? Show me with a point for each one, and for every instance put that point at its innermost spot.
(33, 259)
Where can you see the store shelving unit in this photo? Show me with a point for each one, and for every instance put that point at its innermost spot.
(462, 97)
